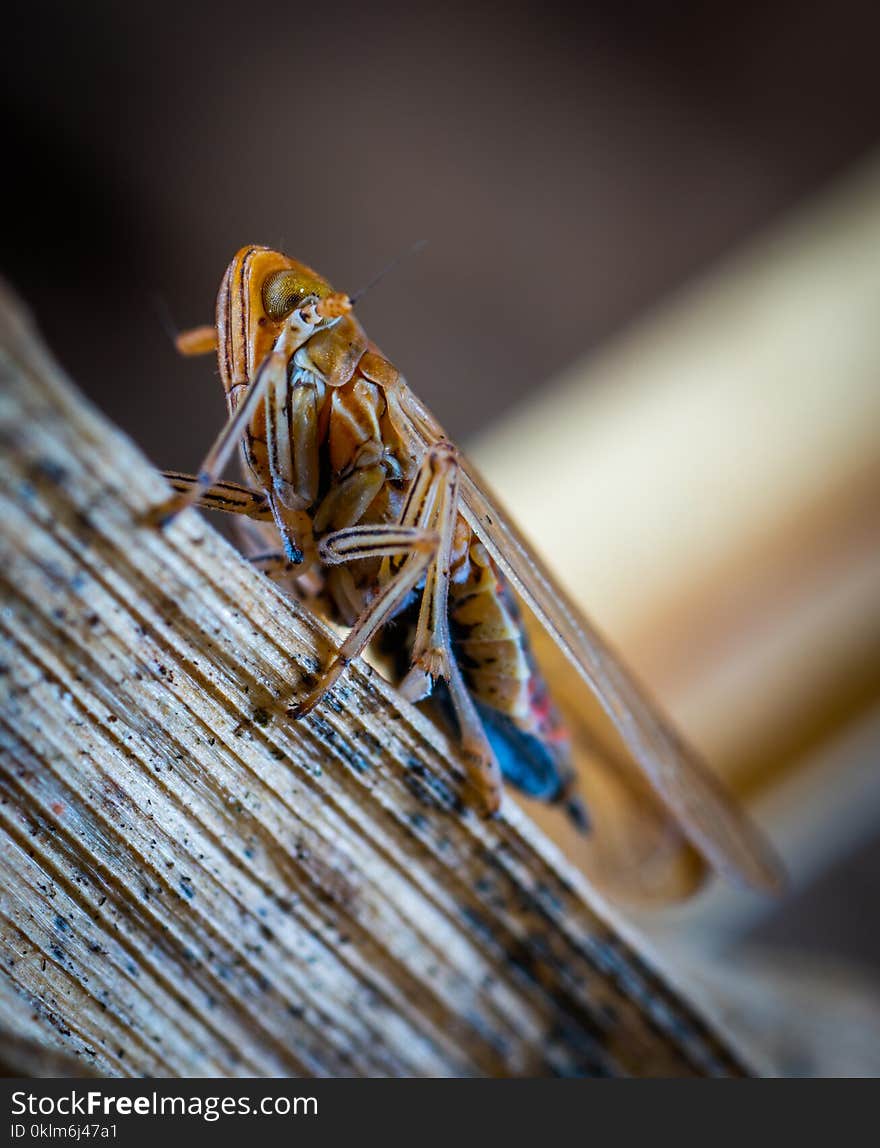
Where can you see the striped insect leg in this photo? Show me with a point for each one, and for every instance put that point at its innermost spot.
(228, 497)
(432, 655)
(292, 438)
(417, 545)
(273, 369)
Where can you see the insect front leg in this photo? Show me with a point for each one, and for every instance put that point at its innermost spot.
(292, 438)
(273, 371)
(233, 498)
(274, 564)
(228, 497)
(293, 402)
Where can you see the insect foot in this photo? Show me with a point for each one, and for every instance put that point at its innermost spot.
(417, 685)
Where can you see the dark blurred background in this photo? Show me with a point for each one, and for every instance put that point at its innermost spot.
(569, 166)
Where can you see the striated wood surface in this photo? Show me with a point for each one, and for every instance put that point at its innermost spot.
(190, 884)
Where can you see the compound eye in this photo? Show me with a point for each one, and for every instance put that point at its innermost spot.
(283, 291)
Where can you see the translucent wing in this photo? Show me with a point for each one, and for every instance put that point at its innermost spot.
(683, 783)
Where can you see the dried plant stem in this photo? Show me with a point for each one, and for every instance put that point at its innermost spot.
(192, 884)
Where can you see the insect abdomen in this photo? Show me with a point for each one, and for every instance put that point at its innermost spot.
(489, 639)
(523, 726)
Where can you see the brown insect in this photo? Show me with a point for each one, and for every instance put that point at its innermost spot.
(381, 518)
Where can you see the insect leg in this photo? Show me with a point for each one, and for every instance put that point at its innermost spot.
(274, 564)
(272, 370)
(292, 439)
(347, 501)
(416, 544)
(432, 654)
(291, 547)
(229, 497)
(432, 502)
(432, 647)
(232, 498)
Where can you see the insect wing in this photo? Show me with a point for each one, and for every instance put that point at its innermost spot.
(683, 783)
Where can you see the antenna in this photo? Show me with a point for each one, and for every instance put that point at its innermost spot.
(414, 250)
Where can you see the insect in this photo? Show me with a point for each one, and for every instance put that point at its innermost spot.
(381, 519)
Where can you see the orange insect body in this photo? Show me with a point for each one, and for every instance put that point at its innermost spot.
(381, 518)
(354, 468)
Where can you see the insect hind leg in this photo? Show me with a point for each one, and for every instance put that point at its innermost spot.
(420, 544)
(432, 655)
